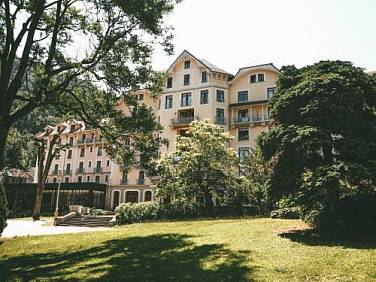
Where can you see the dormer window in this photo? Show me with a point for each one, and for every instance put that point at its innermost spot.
(187, 64)
(254, 78)
(169, 82)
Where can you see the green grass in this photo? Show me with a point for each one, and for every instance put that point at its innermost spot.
(210, 250)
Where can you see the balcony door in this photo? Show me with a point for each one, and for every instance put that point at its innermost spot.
(186, 116)
(243, 115)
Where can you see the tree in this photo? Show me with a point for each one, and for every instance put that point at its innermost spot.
(47, 150)
(323, 145)
(62, 44)
(201, 167)
(257, 172)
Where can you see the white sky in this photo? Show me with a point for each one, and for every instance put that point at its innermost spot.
(236, 33)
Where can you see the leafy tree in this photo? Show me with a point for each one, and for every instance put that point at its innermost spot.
(323, 145)
(3, 209)
(202, 167)
(257, 173)
(65, 43)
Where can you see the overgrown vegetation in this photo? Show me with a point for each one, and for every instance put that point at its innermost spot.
(3, 209)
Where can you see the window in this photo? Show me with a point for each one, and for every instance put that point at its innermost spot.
(127, 142)
(204, 77)
(243, 153)
(243, 134)
(168, 102)
(141, 97)
(71, 141)
(73, 128)
(270, 92)
(253, 78)
(88, 178)
(66, 179)
(220, 116)
(68, 167)
(54, 180)
(243, 116)
(91, 149)
(204, 97)
(260, 77)
(169, 82)
(80, 167)
(124, 180)
(187, 64)
(69, 154)
(99, 152)
(56, 169)
(97, 178)
(98, 167)
(79, 179)
(186, 99)
(141, 178)
(82, 152)
(242, 96)
(89, 164)
(147, 196)
(220, 96)
(106, 178)
(108, 163)
(187, 79)
(131, 196)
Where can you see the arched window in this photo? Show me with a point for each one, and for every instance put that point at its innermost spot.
(131, 196)
(147, 196)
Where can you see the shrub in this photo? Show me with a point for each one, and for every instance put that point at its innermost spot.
(136, 212)
(287, 209)
(3, 209)
(95, 211)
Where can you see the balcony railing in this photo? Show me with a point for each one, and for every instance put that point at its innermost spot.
(97, 169)
(80, 171)
(124, 181)
(89, 140)
(140, 181)
(67, 172)
(98, 140)
(81, 141)
(252, 119)
(220, 120)
(56, 172)
(182, 121)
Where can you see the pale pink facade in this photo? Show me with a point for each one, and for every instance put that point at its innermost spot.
(195, 90)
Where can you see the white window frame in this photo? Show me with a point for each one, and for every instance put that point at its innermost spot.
(152, 194)
(132, 190)
(112, 197)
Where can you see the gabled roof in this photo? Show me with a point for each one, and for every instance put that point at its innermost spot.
(205, 63)
(269, 66)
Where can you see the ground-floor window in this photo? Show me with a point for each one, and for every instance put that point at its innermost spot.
(148, 196)
(131, 196)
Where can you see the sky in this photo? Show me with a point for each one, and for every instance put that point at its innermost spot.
(238, 33)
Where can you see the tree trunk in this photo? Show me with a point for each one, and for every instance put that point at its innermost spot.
(38, 201)
(4, 130)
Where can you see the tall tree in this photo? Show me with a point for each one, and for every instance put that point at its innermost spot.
(323, 145)
(201, 167)
(63, 43)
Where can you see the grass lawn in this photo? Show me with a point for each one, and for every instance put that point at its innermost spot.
(211, 250)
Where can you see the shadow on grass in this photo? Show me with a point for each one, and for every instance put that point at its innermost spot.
(163, 257)
(312, 237)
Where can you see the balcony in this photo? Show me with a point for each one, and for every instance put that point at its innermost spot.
(140, 181)
(98, 140)
(80, 171)
(81, 141)
(67, 172)
(56, 172)
(250, 120)
(98, 170)
(220, 120)
(182, 121)
(124, 181)
(89, 141)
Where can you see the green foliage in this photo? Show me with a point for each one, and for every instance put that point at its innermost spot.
(323, 145)
(3, 209)
(257, 173)
(136, 212)
(200, 168)
(286, 209)
(95, 211)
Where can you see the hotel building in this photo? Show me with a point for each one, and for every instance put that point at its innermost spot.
(195, 90)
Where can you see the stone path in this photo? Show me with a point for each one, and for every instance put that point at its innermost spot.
(17, 227)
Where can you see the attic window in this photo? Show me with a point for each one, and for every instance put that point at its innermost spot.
(187, 64)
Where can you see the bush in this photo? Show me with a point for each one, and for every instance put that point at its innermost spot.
(95, 211)
(136, 212)
(287, 209)
(3, 209)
